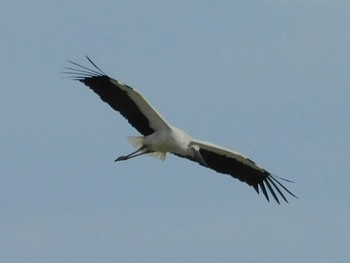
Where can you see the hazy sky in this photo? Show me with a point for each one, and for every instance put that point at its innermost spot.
(269, 79)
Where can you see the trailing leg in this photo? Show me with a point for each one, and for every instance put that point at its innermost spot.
(142, 150)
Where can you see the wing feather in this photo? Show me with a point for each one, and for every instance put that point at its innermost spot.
(128, 101)
(229, 162)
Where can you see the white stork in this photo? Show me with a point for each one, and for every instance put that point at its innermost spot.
(159, 137)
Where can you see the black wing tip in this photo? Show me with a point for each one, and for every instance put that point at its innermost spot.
(80, 73)
(100, 70)
(273, 185)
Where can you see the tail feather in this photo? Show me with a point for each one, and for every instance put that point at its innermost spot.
(158, 155)
(137, 142)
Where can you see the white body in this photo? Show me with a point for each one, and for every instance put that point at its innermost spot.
(161, 142)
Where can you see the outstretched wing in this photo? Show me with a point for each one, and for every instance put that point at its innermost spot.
(128, 101)
(238, 166)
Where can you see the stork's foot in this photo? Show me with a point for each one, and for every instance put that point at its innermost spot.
(138, 152)
(121, 158)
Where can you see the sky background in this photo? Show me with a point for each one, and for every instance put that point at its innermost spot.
(269, 79)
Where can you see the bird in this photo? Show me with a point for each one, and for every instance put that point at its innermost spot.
(159, 137)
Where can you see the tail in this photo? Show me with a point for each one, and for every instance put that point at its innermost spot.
(137, 142)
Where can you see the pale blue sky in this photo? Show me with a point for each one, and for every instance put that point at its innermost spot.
(269, 79)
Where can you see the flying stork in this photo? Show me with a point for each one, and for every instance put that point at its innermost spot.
(159, 137)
